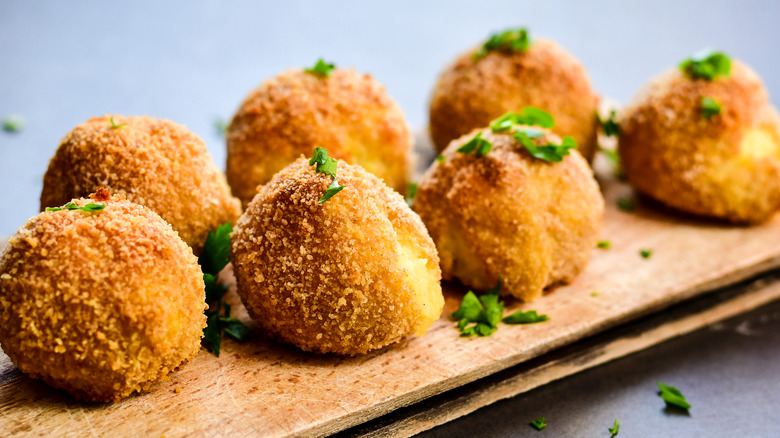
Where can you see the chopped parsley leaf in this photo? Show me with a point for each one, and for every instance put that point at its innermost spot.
(411, 193)
(329, 165)
(610, 127)
(626, 204)
(508, 41)
(529, 317)
(646, 253)
(614, 159)
(478, 144)
(710, 107)
(13, 124)
(539, 424)
(321, 68)
(114, 125)
(673, 397)
(215, 256)
(706, 64)
(614, 430)
(440, 158)
(604, 244)
(594, 294)
(73, 206)
(529, 115)
(549, 152)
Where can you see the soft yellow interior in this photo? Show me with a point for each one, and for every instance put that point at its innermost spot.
(465, 264)
(760, 142)
(425, 285)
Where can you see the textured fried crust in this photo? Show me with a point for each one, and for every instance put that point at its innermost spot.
(348, 114)
(100, 304)
(507, 214)
(727, 166)
(353, 274)
(471, 93)
(153, 162)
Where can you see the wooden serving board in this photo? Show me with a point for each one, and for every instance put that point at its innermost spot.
(266, 389)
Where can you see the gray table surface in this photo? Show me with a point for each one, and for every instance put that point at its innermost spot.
(193, 62)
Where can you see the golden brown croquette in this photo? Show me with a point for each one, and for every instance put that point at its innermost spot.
(470, 93)
(725, 166)
(349, 114)
(153, 162)
(100, 304)
(507, 214)
(355, 273)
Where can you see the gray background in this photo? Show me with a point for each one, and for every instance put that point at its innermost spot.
(193, 62)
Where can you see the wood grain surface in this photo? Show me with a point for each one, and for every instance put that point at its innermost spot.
(260, 388)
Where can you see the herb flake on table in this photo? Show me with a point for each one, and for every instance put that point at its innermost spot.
(539, 424)
(646, 253)
(609, 126)
(529, 317)
(614, 430)
(673, 397)
(626, 204)
(604, 244)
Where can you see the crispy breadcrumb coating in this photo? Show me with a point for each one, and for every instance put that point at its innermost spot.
(727, 166)
(153, 162)
(469, 94)
(349, 114)
(100, 304)
(531, 222)
(353, 274)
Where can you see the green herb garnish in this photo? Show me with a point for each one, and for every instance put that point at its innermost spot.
(215, 256)
(481, 315)
(220, 125)
(73, 206)
(614, 430)
(604, 244)
(411, 192)
(646, 253)
(478, 144)
(594, 294)
(440, 158)
(626, 204)
(609, 125)
(329, 165)
(114, 125)
(13, 124)
(710, 107)
(321, 68)
(673, 397)
(529, 317)
(539, 424)
(529, 115)
(508, 41)
(706, 64)
(614, 159)
(548, 152)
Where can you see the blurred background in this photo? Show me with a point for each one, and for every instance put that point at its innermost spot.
(193, 62)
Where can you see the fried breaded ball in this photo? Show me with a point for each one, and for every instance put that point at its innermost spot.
(726, 166)
(355, 273)
(507, 214)
(347, 113)
(100, 304)
(470, 93)
(153, 162)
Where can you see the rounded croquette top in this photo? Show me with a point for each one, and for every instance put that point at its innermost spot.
(326, 277)
(664, 132)
(529, 221)
(153, 162)
(348, 113)
(470, 93)
(100, 303)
